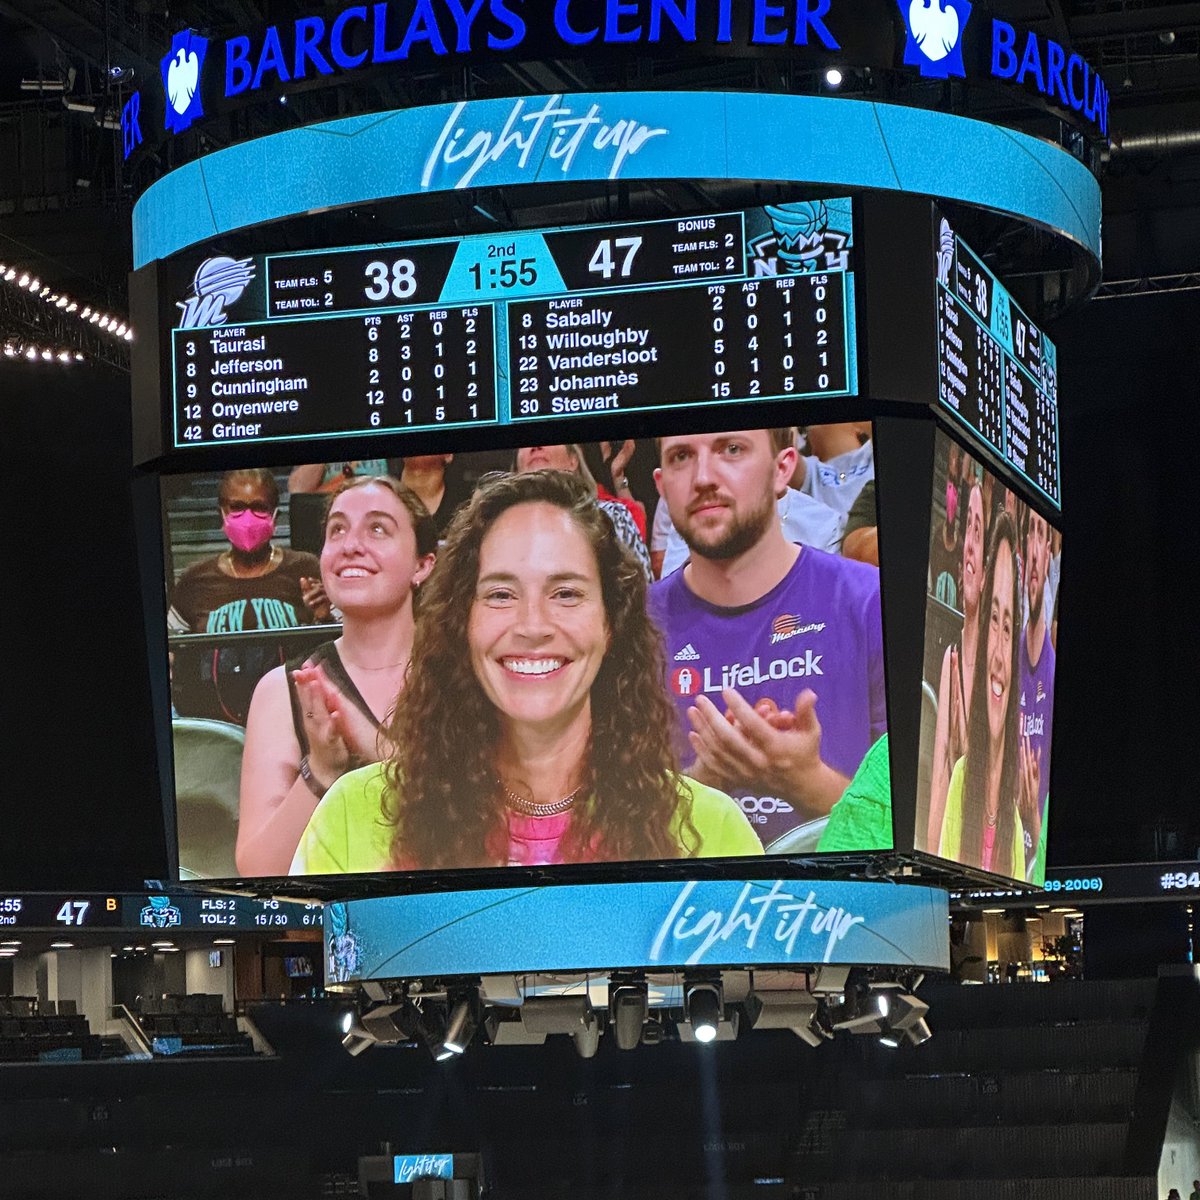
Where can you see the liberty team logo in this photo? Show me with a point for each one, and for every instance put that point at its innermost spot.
(218, 283)
(181, 80)
(935, 29)
(160, 913)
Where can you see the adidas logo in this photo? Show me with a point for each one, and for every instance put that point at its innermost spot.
(687, 654)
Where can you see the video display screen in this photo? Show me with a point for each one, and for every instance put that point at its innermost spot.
(988, 690)
(642, 650)
(515, 327)
(997, 371)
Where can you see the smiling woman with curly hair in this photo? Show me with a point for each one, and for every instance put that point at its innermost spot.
(534, 726)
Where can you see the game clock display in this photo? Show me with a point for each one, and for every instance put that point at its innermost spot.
(514, 327)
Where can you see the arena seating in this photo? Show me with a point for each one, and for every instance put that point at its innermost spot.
(33, 1032)
(195, 1024)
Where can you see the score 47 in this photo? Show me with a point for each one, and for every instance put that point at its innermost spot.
(602, 261)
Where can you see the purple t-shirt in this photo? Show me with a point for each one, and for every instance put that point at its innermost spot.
(818, 628)
(1037, 706)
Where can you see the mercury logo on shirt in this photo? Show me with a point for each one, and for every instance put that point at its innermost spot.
(787, 625)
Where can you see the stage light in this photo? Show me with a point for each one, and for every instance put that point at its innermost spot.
(795, 1010)
(628, 1007)
(587, 1038)
(889, 1039)
(702, 1008)
(919, 1032)
(347, 1021)
(833, 77)
(460, 1028)
(23, 281)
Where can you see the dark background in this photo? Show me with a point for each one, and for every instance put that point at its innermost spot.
(79, 798)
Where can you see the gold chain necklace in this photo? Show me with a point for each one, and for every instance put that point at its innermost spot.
(531, 808)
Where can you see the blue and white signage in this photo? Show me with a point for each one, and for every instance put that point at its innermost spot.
(181, 70)
(936, 37)
(651, 926)
(935, 32)
(407, 1167)
(626, 135)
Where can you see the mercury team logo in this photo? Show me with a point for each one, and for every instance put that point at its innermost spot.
(934, 42)
(685, 681)
(788, 625)
(1041, 693)
(181, 80)
(218, 283)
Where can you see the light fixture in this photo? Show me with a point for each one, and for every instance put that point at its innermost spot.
(223, 941)
(460, 1028)
(702, 1008)
(628, 1007)
(61, 945)
(833, 77)
(919, 1032)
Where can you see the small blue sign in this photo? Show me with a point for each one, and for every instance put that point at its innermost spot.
(407, 1167)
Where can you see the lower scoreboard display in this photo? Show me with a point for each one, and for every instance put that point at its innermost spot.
(49, 910)
(515, 327)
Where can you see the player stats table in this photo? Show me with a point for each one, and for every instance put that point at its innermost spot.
(997, 371)
(517, 327)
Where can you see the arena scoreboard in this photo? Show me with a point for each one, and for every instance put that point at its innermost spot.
(997, 371)
(515, 327)
(164, 911)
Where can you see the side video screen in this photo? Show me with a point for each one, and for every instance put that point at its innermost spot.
(988, 692)
(621, 651)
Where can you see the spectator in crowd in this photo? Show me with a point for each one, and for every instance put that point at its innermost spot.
(958, 668)
(328, 477)
(1036, 691)
(320, 716)
(255, 584)
(787, 637)
(623, 513)
(439, 489)
(860, 539)
(543, 734)
(945, 552)
(616, 458)
(981, 826)
(841, 462)
(805, 520)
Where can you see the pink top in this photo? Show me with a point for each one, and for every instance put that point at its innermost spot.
(989, 846)
(535, 841)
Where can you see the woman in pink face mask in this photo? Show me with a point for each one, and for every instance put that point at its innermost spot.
(254, 585)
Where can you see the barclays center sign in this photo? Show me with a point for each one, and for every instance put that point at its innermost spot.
(204, 74)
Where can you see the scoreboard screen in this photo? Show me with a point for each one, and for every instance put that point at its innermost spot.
(997, 371)
(514, 327)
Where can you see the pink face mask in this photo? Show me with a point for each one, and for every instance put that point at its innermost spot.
(249, 531)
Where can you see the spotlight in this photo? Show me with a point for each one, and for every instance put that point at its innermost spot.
(793, 1010)
(889, 1039)
(919, 1032)
(347, 1021)
(23, 281)
(833, 77)
(702, 1008)
(587, 1037)
(72, 307)
(10, 274)
(62, 302)
(31, 353)
(460, 1029)
(628, 1007)
(34, 284)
